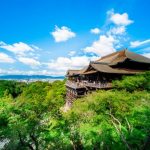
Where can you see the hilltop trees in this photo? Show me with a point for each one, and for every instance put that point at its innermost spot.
(137, 82)
(12, 87)
(114, 119)
(26, 121)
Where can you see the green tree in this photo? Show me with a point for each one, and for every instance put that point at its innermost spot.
(113, 119)
(32, 120)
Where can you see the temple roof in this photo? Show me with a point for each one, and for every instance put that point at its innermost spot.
(72, 72)
(137, 57)
(106, 63)
(120, 56)
(107, 69)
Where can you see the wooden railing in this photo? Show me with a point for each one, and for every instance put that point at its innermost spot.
(84, 84)
(99, 85)
(74, 85)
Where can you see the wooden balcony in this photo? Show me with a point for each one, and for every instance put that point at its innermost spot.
(99, 85)
(87, 84)
(75, 85)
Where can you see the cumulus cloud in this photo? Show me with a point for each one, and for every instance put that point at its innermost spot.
(113, 34)
(22, 51)
(10, 71)
(139, 43)
(117, 30)
(146, 55)
(62, 34)
(29, 61)
(72, 53)
(62, 64)
(13, 71)
(95, 31)
(17, 48)
(103, 46)
(119, 19)
(4, 58)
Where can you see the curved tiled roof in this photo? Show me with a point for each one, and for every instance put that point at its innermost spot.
(121, 56)
(111, 57)
(137, 57)
(72, 72)
(107, 69)
(106, 63)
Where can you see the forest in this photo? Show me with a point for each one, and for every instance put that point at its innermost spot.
(32, 117)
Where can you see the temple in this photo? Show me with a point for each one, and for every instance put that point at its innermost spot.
(100, 73)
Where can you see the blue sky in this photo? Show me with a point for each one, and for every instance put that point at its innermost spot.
(50, 36)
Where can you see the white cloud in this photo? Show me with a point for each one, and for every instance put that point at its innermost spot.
(119, 19)
(10, 71)
(95, 31)
(4, 58)
(72, 53)
(62, 64)
(62, 34)
(29, 61)
(13, 71)
(139, 43)
(146, 55)
(113, 34)
(117, 30)
(17, 48)
(35, 47)
(103, 46)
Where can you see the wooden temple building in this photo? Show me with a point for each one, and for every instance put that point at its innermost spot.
(99, 74)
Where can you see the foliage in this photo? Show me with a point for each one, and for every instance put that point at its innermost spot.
(27, 120)
(113, 119)
(136, 82)
(11, 87)
(109, 120)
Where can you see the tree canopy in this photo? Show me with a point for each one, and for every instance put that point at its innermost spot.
(31, 117)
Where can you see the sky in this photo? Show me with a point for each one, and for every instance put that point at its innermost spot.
(48, 37)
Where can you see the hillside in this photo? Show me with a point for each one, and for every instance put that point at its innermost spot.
(113, 119)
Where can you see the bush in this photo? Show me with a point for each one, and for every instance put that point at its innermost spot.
(136, 82)
(11, 87)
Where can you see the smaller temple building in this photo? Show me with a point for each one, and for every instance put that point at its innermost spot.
(100, 73)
